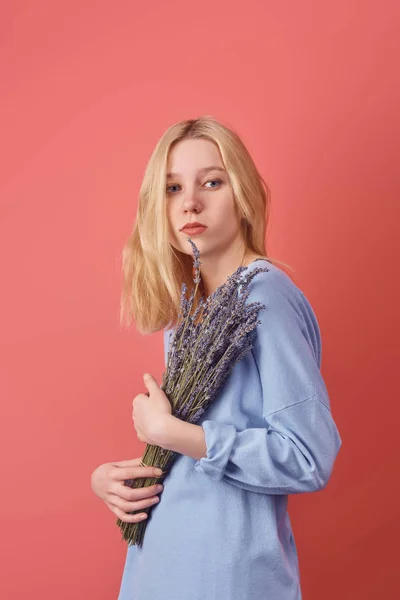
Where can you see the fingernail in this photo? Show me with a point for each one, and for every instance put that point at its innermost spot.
(158, 472)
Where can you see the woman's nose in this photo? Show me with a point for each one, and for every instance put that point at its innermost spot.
(190, 202)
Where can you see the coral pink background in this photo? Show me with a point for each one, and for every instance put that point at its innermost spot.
(87, 88)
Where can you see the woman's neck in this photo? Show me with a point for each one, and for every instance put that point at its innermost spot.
(214, 274)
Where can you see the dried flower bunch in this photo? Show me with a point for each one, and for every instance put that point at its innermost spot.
(205, 347)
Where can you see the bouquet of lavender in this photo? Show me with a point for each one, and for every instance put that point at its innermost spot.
(206, 346)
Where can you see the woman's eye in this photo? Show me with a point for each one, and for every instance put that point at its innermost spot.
(168, 188)
(214, 181)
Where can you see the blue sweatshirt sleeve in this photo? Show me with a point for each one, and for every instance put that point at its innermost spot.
(295, 449)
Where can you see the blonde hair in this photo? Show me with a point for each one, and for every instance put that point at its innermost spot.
(153, 270)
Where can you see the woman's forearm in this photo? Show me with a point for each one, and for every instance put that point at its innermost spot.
(182, 437)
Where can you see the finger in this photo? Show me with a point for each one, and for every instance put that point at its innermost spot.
(133, 494)
(150, 382)
(139, 472)
(127, 518)
(129, 507)
(133, 462)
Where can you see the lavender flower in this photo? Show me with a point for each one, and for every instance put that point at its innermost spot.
(201, 356)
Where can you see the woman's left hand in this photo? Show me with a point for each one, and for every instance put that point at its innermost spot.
(150, 411)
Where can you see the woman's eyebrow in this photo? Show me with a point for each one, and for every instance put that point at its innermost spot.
(203, 170)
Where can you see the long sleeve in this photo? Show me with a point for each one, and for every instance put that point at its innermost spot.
(295, 449)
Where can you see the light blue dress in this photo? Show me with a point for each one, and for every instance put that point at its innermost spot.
(221, 530)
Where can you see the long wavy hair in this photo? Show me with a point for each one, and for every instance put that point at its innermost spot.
(153, 270)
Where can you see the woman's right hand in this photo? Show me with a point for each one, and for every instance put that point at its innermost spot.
(107, 482)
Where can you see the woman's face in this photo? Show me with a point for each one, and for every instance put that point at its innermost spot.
(195, 192)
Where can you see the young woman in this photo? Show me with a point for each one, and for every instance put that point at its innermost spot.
(221, 529)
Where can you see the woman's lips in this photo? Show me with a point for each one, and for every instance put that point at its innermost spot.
(193, 230)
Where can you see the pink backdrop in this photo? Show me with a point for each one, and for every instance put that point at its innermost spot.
(87, 88)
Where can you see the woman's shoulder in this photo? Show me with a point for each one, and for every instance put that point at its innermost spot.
(273, 284)
(287, 307)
